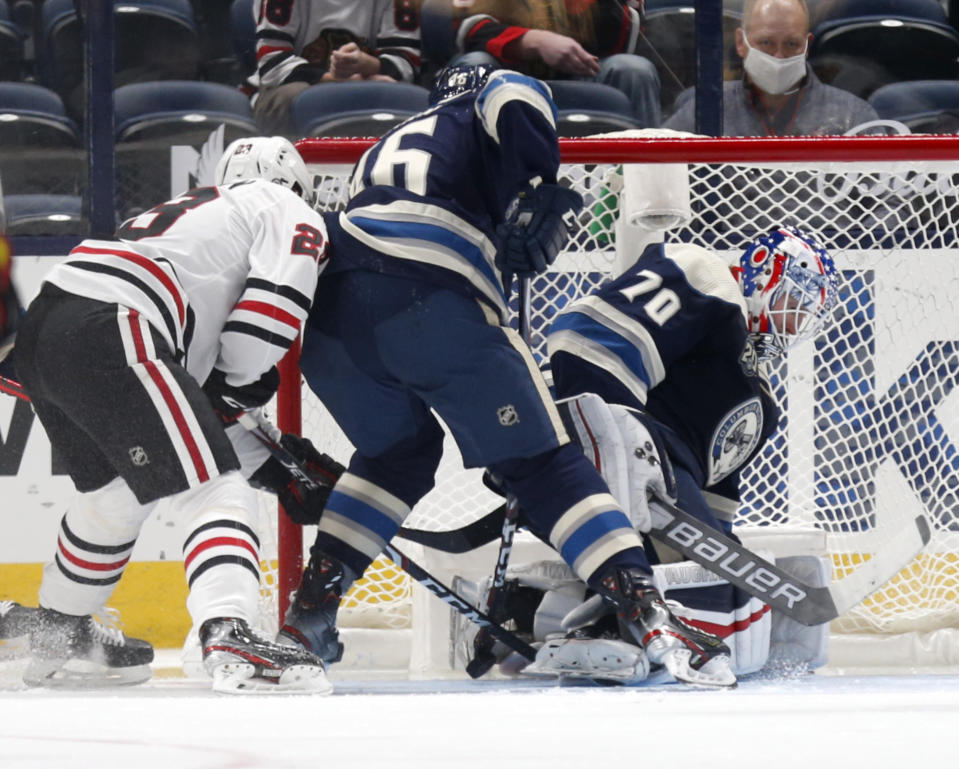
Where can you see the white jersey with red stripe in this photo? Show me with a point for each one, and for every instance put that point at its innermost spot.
(225, 274)
(293, 33)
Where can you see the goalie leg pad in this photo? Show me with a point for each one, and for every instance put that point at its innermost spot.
(715, 606)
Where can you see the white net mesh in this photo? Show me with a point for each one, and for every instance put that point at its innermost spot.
(870, 410)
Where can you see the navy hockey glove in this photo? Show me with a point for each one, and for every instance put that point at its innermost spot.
(302, 491)
(535, 229)
(230, 401)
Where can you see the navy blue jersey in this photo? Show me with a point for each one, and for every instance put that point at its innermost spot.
(425, 200)
(669, 336)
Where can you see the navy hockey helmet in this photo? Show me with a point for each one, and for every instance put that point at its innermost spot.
(790, 285)
(458, 79)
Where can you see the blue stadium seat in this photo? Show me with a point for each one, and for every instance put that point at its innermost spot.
(40, 214)
(11, 46)
(171, 108)
(243, 32)
(355, 108)
(156, 122)
(926, 106)
(585, 108)
(860, 45)
(31, 115)
(154, 40)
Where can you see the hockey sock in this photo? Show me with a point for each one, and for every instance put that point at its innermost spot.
(565, 501)
(94, 545)
(221, 549)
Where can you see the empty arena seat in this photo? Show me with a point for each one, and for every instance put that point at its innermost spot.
(11, 46)
(585, 108)
(860, 45)
(156, 123)
(40, 147)
(31, 115)
(174, 108)
(926, 106)
(41, 214)
(243, 33)
(154, 40)
(355, 108)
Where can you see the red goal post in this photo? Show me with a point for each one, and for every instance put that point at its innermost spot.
(870, 410)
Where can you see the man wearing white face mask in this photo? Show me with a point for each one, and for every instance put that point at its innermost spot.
(779, 95)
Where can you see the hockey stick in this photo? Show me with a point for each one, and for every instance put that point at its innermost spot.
(725, 557)
(12, 387)
(460, 604)
(483, 657)
(417, 572)
(806, 604)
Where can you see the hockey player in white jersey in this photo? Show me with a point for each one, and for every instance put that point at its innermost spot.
(139, 354)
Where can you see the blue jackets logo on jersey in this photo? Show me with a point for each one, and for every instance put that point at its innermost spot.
(735, 439)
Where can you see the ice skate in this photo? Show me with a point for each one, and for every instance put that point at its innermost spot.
(310, 622)
(84, 651)
(691, 655)
(240, 661)
(16, 624)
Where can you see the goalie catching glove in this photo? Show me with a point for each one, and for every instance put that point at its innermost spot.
(535, 229)
(302, 490)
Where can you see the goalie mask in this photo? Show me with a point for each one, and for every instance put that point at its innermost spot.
(266, 157)
(459, 79)
(790, 285)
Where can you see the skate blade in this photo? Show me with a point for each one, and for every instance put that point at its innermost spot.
(81, 674)
(245, 678)
(715, 674)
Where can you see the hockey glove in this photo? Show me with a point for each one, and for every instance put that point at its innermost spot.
(230, 401)
(302, 491)
(535, 229)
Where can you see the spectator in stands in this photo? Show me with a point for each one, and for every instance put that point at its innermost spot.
(779, 95)
(320, 41)
(563, 39)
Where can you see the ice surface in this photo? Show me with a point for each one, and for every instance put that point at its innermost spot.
(810, 721)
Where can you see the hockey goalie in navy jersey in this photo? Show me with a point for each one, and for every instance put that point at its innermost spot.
(410, 322)
(140, 355)
(660, 375)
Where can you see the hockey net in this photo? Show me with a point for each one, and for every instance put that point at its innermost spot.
(870, 410)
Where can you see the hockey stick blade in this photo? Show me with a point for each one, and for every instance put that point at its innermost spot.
(805, 603)
(896, 554)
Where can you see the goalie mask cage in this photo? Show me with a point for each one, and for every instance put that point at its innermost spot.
(870, 411)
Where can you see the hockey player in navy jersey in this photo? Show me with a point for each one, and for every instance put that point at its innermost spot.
(411, 318)
(680, 337)
(663, 366)
(139, 354)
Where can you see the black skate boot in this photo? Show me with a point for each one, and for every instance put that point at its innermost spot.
(16, 625)
(691, 655)
(84, 651)
(310, 622)
(241, 661)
